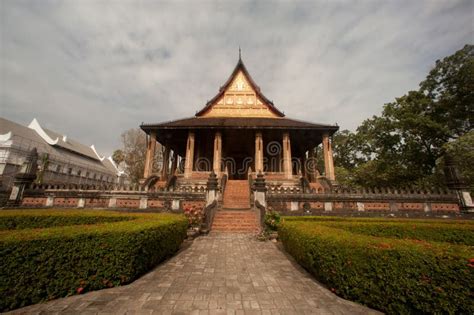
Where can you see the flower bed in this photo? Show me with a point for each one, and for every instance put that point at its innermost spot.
(397, 273)
(91, 251)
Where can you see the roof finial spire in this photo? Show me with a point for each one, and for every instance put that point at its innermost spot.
(240, 54)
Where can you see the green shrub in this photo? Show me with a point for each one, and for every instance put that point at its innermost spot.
(44, 264)
(19, 222)
(393, 275)
(450, 233)
(272, 220)
(381, 220)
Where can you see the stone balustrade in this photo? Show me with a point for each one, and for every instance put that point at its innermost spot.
(102, 196)
(353, 201)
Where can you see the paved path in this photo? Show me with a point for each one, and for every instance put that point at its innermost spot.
(216, 274)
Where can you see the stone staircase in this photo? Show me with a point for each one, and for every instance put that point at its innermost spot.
(237, 195)
(235, 215)
(235, 221)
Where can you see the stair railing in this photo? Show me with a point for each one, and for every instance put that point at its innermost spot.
(305, 186)
(261, 211)
(209, 214)
(171, 183)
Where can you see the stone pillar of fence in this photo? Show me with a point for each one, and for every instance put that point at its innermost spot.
(212, 191)
(455, 182)
(260, 190)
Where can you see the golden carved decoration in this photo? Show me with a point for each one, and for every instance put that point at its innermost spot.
(240, 100)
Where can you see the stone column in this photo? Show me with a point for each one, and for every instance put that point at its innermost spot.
(311, 166)
(287, 167)
(217, 153)
(188, 165)
(328, 161)
(258, 152)
(166, 162)
(174, 163)
(150, 155)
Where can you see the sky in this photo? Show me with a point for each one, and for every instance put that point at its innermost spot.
(93, 69)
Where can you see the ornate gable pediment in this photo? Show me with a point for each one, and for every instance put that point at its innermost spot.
(240, 97)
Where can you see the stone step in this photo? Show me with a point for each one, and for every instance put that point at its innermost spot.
(232, 221)
(237, 194)
(224, 223)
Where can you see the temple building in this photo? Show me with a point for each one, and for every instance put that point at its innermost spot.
(240, 133)
(62, 160)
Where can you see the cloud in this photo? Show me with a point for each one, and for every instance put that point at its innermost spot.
(92, 69)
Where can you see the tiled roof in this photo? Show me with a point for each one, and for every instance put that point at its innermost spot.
(72, 145)
(238, 122)
(71, 151)
(7, 126)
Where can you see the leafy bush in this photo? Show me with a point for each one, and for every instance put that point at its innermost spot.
(456, 234)
(272, 220)
(40, 220)
(194, 214)
(44, 264)
(397, 276)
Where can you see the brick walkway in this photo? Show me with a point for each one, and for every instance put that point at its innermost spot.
(216, 274)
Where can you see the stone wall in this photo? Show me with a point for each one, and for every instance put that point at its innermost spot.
(86, 196)
(364, 202)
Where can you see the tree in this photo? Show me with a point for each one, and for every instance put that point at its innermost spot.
(344, 148)
(118, 156)
(462, 151)
(450, 84)
(403, 146)
(133, 153)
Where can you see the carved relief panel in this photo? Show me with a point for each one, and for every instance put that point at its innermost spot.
(240, 100)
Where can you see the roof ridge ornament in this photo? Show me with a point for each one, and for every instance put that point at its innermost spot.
(101, 158)
(240, 54)
(40, 131)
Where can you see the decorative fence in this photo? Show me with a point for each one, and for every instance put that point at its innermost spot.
(302, 199)
(293, 202)
(112, 197)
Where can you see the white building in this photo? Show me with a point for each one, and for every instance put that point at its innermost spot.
(62, 160)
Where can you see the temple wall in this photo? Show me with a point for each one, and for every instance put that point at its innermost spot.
(291, 201)
(61, 196)
(286, 200)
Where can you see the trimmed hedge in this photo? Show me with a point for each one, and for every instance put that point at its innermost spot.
(35, 219)
(397, 276)
(457, 222)
(450, 233)
(44, 264)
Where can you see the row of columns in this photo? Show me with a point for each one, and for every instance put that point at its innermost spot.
(150, 155)
(287, 164)
(258, 152)
(216, 165)
(328, 159)
(217, 156)
(188, 162)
